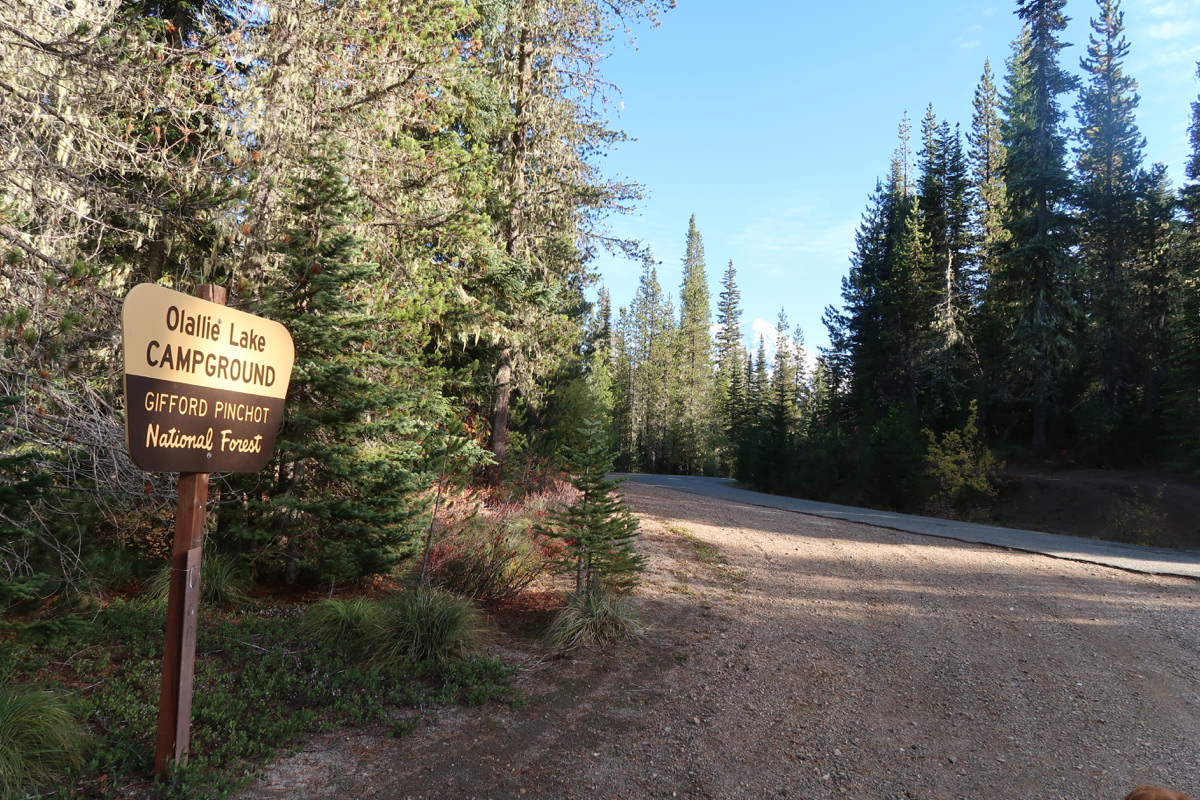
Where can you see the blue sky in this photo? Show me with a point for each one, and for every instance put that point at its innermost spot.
(772, 120)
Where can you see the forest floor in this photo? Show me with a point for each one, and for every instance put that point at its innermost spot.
(793, 656)
(1135, 506)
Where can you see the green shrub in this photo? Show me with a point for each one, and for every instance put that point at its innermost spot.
(408, 627)
(424, 625)
(39, 739)
(962, 468)
(595, 617)
(1136, 521)
(348, 623)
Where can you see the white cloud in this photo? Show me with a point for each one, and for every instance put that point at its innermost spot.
(1171, 30)
(970, 38)
(793, 233)
(770, 335)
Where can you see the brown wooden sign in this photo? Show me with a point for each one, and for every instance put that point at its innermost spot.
(204, 384)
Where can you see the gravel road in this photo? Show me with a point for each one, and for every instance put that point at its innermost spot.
(802, 657)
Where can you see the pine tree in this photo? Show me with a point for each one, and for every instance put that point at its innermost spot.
(755, 424)
(947, 365)
(549, 192)
(1156, 301)
(1108, 166)
(986, 158)
(694, 417)
(1037, 280)
(731, 357)
(1183, 410)
(651, 342)
(598, 353)
(598, 528)
(341, 500)
(886, 296)
(988, 208)
(623, 419)
(780, 425)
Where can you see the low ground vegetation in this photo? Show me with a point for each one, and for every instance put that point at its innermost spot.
(273, 667)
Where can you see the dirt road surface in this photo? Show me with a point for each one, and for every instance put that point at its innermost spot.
(790, 656)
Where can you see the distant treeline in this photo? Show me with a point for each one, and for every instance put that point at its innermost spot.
(1032, 282)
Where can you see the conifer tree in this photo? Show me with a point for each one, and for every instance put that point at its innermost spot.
(1109, 166)
(780, 424)
(624, 423)
(947, 361)
(886, 297)
(1184, 403)
(986, 158)
(341, 499)
(694, 417)
(755, 424)
(731, 358)
(545, 58)
(598, 528)
(651, 343)
(988, 207)
(1037, 277)
(598, 353)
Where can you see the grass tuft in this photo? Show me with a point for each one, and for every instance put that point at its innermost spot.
(424, 625)
(338, 622)
(596, 618)
(223, 580)
(39, 739)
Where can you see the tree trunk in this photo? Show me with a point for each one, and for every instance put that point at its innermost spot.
(498, 442)
(513, 240)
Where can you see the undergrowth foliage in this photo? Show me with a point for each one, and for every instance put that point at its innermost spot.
(962, 467)
(496, 553)
(594, 618)
(408, 627)
(262, 681)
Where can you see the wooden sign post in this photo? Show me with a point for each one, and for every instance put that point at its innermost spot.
(183, 605)
(204, 392)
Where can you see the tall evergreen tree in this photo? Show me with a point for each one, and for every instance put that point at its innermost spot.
(1184, 402)
(887, 299)
(758, 400)
(1037, 277)
(947, 366)
(781, 422)
(624, 422)
(341, 500)
(1109, 166)
(731, 359)
(549, 192)
(986, 158)
(651, 345)
(988, 208)
(692, 375)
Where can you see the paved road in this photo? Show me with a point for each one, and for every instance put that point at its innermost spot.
(1132, 557)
